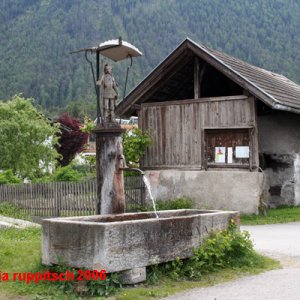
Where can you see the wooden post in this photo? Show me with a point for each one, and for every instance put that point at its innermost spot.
(57, 199)
(196, 79)
(201, 77)
(251, 132)
(110, 182)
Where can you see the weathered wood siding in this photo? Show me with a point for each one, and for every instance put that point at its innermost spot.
(177, 128)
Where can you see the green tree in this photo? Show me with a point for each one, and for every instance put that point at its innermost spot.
(27, 139)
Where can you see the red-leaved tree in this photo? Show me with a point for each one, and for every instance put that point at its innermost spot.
(72, 140)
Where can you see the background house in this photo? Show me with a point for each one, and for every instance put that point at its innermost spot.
(225, 132)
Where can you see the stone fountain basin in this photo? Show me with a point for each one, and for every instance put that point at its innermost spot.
(127, 241)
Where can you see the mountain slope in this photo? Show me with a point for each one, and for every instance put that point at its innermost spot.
(38, 35)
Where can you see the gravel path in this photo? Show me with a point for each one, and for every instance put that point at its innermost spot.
(280, 241)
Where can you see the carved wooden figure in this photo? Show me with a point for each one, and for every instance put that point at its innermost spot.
(110, 94)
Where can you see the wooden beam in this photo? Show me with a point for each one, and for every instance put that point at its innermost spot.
(203, 69)
(190, 101)
(155, 84)
(136, 106)
(246, 93)
(196, 78)
(159, 81)
(231, 74)
(151, 80)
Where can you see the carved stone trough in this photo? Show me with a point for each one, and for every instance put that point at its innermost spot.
(128, 241)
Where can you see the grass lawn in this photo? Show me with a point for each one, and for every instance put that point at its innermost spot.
(282, 214)
(20, 251)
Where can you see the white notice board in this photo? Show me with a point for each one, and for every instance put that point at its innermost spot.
(242, 151)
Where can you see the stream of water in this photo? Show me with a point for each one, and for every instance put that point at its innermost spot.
(148, 186)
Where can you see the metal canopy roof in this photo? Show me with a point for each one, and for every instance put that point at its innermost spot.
(115, 49)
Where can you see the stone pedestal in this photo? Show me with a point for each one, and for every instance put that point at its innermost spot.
(109, 158)
(133, 276)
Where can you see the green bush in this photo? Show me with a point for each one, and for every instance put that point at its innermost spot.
(227, 248)
(67, 173)
(90, 162)
(135, 143)
(43, 178)
(178, 203)
(7, 177)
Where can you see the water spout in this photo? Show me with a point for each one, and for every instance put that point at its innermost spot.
(148, 186)
(123, 166)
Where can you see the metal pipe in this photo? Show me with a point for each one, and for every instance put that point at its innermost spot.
(124, 94)
(98, 88)
(92, 69)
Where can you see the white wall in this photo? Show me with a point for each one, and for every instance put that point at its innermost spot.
(224, 189)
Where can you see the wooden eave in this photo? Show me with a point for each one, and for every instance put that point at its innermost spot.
(274, 85)
(152, 81)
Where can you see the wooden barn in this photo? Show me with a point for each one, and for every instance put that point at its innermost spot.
(225, 133)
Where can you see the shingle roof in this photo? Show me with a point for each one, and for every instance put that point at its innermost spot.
(277, 87)
(275, 90)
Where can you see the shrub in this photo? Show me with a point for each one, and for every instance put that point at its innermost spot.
(71, 139)
(227, 248)
(67, 173)
(178, 203)
(7, 177)
(135, 143)
(91, 164)
(43, 179)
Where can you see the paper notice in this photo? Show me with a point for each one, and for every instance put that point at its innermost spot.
(229, 155)
(242, 152)
(220, 154)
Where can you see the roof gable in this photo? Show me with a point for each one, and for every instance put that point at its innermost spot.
(273, 89)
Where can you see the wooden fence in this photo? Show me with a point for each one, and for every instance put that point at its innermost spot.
(67, 198)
